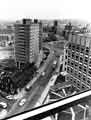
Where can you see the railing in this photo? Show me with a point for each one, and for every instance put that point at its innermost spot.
(52, 108)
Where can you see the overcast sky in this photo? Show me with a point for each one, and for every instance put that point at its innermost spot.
(45, 9)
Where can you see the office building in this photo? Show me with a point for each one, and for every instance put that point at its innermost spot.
(78, 60)
(27, 41)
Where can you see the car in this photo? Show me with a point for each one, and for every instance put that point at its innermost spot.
(28, 88)
(22, 102)
(3, 105)
(43, 73)
(10, 97)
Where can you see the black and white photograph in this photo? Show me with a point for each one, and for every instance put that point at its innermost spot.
(45, 60)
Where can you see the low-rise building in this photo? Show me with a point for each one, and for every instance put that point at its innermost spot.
(6, 37)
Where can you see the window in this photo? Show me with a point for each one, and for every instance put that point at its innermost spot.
(78, 48)
(85, 69)
(86, 60)
(71, 78)
(76, 65)
(66, 57)
(81, 59)
(74, 82)
(69, 46)
(65, 63)
(66, 51)
(87, 51)
(83, 87)
(78, 84)
(75, 73)
(72, 63)
(80, 67)
(69, 54)
(73, 55)
(88, 81)
(84, 78)
(89, 71)
(71, 71)
(68, 61)
(77, 57)
(89, 61)
(65, 69)
(79, 75)
(82, 49)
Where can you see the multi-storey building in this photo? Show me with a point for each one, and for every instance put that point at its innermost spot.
(27, 41)
(78, 60)
(6, 37)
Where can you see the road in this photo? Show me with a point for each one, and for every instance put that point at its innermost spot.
(18, 109)
(54, 46)
(42, 68)
(38, 85)
(34, 94)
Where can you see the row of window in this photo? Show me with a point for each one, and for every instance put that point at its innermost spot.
(80, 39)
(4, 38)
(79, 75)
(78, 84)
(78, 48)
(80, 58)
(78, 66)
(90, 62)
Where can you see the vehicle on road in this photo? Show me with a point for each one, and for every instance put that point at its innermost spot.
(10, 97)
(3, 105)
(22, 102)
(43, 73)
(28, 88)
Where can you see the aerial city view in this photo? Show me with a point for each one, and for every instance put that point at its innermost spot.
(42, 61)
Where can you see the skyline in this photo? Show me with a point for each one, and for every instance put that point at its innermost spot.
(56, 9)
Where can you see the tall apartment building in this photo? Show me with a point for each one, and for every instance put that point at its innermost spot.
(78, 60)
(27, 41)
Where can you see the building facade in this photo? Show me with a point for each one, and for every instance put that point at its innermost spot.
(27, 41)
(6, 37)
(78, 60)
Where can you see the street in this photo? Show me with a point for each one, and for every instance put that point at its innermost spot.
(38, 85)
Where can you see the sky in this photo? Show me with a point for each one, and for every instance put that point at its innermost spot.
(45, 9)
